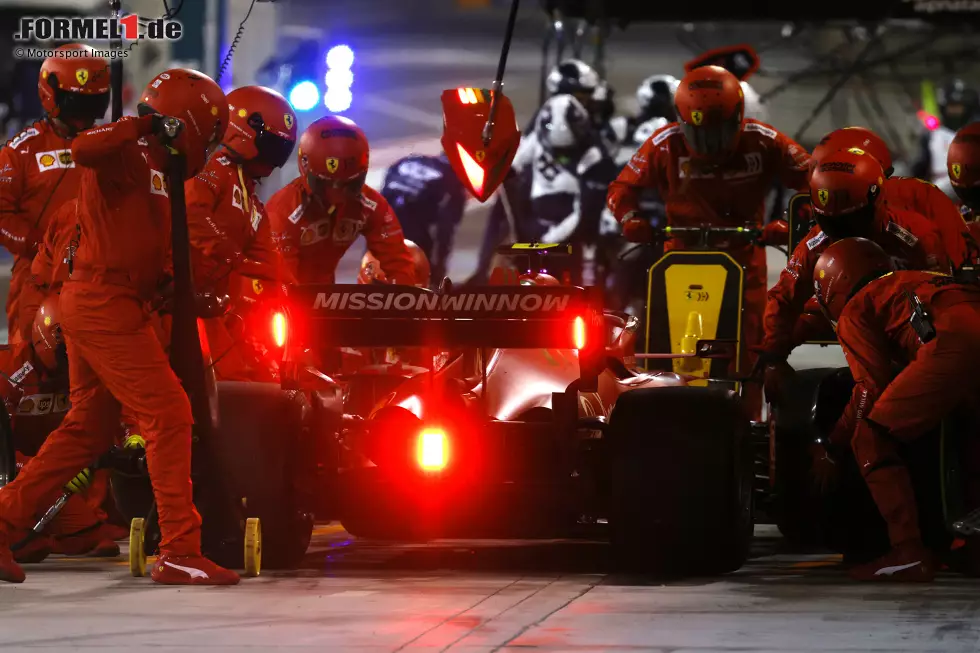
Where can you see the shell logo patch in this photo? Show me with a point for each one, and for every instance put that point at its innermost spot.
(957, 170)
(288, 119)
(47, 320)
(480, 156)
(332, 165)
(55, 159)
(257, 286)
(242, 113)
(307, 237)
(823, 196)
(157, 185)
(214, 111)
(697, 118)
(856, 150)
(822, 274)
(236, 198)
(82, 76)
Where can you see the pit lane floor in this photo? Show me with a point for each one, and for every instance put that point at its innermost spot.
(486, 596)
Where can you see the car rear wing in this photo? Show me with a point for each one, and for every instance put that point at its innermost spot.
(509, 317)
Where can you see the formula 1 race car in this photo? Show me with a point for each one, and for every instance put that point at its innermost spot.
(538, 426)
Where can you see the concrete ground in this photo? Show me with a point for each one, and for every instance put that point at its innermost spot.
(486, 596)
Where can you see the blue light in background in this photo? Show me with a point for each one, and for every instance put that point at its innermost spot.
(304, 96)
(339, 78)
(340, 56)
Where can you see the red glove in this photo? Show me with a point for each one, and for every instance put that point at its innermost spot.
(637, 229)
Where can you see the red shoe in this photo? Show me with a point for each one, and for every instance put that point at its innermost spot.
(906, 563)
(10, 571)
(171, 569)
(34, 551)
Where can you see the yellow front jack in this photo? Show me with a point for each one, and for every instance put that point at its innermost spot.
(689, 343)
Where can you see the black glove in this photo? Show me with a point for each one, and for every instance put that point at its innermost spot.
(766, 359)
(166, 129)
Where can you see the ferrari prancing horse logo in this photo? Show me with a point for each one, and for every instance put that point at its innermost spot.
(823, 195)
(697, 117)
(288, 119)
(332, 165)
(956, 170)
(480, 156)
(82, 76)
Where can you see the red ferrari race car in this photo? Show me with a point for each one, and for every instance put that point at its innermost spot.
(538, 426)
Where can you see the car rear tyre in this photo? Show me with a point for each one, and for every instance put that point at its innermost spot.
(8, 457)
(260, 446)
(681, 487)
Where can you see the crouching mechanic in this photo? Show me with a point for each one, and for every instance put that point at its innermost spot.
(846, 196)
(906, 193)
(714, 166)
(35, 393)
(229, 230)
(872, 309)
(37, 174)
(317, 216)
(113, 354)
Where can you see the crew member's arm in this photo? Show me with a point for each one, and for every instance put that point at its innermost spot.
(951, 226)
(788, 297)
(16, 231)
(214, 252)
(794, 163)
(867, 356)
(641, 173)
(111, 146)
(261, 256)
(386, 241)
(284, 231)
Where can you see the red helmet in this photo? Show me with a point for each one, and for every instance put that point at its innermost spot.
(853, 137)
(371, 267)
(710, 108)
(261, 128)
(198, 102)
(963, 165)
(48, 341)
(844, 190)
(333, 159)
(74, 90)
(844, 268)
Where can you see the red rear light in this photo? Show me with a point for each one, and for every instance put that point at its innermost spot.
(432, 450)
(279, 329)
(473, 170)
(931, 122)
(578, 332)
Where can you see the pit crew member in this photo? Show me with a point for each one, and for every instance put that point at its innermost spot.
(963, 167)
(846, 195)
(317, 216)
(114, 356)
(229, 230)
(429, 201)
(37, 173)
(905, 193)
(35, 393)
(874, 311)
(713, 166)
(959, 105)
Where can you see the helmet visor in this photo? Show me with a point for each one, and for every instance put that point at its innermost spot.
(712, 137)
(81, 107)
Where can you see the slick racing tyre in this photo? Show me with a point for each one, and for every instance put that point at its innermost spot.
(681, 484)
(259, 446)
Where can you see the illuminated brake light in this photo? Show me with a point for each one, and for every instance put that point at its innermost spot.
(578, 332)
(433, 450)
(279, 329)
(473, 170)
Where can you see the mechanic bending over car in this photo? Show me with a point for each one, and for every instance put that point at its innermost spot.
(847, 198)
(906, 193)
(429, 200)
(113, 353)
(229, 231)
(713, 166)
(34, 390)
(37, 174)
(317, 216)
(927, 322)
